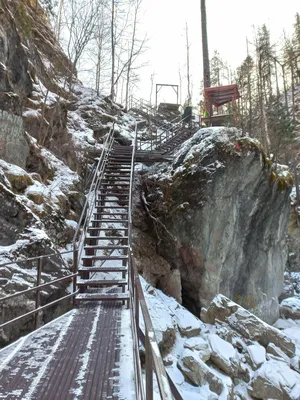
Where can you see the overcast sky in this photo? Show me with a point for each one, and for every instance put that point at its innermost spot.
(229, 23)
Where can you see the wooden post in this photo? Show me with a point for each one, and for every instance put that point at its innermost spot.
(149, 369)
(37, 296)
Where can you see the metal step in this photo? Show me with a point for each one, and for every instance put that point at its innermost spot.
(113, 194)
(123, 201)
(106, 237)
(101, 282)
(118, 166)
(115, 184)
(112, 207)
(117, 176)
(102, 269)
(104, 258)
(102, 296)
(108, 247)
(117, 221)
(103, 212)
(117, 181)
(98, 228)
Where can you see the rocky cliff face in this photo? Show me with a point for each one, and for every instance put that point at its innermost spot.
(223, 212)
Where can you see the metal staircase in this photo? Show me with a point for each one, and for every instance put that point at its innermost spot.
(104, 269)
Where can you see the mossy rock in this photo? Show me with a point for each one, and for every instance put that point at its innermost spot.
(63, 204)
(168, 341)
(36, 177)
(37, 198)
(19, 182)
(283, 182)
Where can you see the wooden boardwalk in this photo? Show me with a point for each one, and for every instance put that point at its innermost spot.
(78, 356)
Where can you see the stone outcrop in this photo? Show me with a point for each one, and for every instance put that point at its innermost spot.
(235, 355)
(225, 211)
(198, 372)
(290, 308)
(275, 380)
(13, 145)
(247, 324)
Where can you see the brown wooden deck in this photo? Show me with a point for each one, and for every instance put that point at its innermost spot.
(74, 357)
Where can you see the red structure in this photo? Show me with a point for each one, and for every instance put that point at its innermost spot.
(215, 97)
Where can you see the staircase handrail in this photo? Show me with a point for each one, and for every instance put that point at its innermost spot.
(153, 357)
(87, 210)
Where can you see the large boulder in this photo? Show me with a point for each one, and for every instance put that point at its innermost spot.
(223, 213)
(223, 355)
(290, 308)
(198, 372)
(275, 380)
(247, 324)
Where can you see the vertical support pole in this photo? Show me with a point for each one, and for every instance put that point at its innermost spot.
(149, 370)
(137, 305)
(37, 295)
(75, 270)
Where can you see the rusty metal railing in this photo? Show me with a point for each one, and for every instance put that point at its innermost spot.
(76, 251)
(36, 289)
(168, 132)
(88, 209)
(154, 361)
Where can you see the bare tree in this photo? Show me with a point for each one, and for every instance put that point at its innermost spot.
(113, 48)
(132, 51)
(80, 21)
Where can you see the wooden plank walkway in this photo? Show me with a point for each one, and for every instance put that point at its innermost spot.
(77, 356)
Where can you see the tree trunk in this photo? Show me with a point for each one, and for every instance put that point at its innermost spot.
(131, 53)
(112, 29)
(206, 67)
(188, 65)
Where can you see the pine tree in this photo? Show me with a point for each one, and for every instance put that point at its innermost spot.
(49, 6)
(216, 69)
(281, 128)
(296, 47)
(245, 84)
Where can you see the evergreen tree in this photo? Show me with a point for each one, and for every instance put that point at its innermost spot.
(216, 69)
(49, 6)
(281, 129)
(296, 46)
(245, 83)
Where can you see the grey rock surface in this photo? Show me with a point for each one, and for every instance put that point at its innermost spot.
(227, 210)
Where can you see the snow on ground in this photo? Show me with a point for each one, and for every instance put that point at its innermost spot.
(292, 329)
(126, 390)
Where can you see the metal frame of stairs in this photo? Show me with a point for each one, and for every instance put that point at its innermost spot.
(109, 211)
(101, 247)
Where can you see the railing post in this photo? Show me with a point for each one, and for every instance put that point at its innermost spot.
(75, 270)
(149, 368)
(37, 295)
(137, 306)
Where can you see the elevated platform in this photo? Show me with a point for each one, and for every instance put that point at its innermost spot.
(218, 120)
(85, 354)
